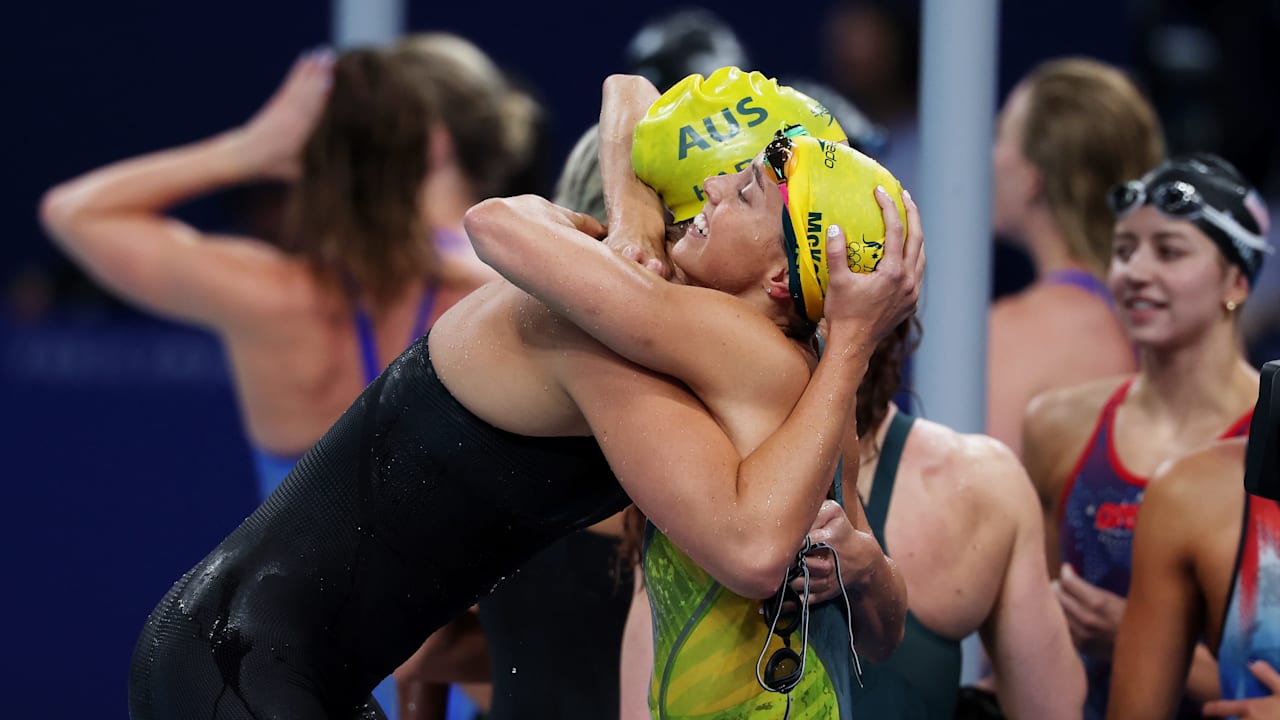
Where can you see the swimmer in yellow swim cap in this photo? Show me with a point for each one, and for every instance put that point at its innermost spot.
(825, 183)
(717, 125)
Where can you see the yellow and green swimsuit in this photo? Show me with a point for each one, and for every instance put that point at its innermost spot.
(707, 640)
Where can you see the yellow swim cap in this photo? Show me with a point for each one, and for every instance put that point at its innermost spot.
(715, 126)
(825, 183)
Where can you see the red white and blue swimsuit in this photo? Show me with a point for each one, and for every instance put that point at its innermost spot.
(1096, 518)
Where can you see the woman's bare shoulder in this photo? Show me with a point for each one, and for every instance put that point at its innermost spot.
(1057, 429)
(964, 459)
(1064, 410)
(1202, 470)
(1196, 495)
(1052, 312)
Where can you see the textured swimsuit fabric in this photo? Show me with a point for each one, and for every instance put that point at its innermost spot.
(405, 513)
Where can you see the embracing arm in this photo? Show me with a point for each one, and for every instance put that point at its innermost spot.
(1154, 646)
(742, 519)
(741, 513)
(1037, 671)
(636, 216)
(552, 254)
(111, 221)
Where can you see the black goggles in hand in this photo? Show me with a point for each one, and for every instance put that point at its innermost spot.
(788, 611)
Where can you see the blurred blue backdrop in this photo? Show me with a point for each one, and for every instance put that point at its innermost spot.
(124, 459)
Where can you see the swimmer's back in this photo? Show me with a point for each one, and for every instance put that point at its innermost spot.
(407, 510)
(295, 353)
(1036, 346)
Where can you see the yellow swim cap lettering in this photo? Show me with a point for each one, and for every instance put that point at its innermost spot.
(741, 164)
(711, 124)
(815, 223)
(829, 154)
(744, 109)
(689, 138)
(813, 233)
(714, 132)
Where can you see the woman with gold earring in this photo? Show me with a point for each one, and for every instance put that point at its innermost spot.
(1188, 242)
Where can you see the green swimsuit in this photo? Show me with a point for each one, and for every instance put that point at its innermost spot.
(920, 679)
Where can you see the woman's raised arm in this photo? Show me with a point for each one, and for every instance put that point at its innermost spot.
(111, 220)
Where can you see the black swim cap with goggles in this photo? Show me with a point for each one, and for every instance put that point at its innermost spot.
(1208, 192)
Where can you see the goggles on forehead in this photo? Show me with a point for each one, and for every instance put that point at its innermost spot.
(1181, 200)
(778, 152)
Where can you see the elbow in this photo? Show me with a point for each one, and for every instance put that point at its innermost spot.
(883, 606)
(618, 81)
(880, 648)
(58, 211)
(757, 572)
(482, 223)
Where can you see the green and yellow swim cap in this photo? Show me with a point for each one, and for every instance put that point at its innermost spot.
(825, 183)
(716, 126)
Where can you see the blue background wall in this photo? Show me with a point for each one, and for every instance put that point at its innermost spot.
(123, 458)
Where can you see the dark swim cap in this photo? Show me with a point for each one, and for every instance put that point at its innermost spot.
(1210, 193)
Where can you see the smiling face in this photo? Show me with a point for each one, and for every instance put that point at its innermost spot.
(1169, 280)
(736, 241)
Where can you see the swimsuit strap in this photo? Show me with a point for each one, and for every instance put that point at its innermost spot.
(877, 506)
(1086, 281)
(364, 327)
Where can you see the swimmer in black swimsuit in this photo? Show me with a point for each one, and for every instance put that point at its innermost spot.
(471, 451)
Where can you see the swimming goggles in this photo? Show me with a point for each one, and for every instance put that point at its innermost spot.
(788, 611)
(778, 152)
(1181, 200)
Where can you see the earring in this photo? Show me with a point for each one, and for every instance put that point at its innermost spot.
(1230, 305)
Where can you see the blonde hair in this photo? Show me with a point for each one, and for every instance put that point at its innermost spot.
(492, 124)
(1087, 128)
(580, 187)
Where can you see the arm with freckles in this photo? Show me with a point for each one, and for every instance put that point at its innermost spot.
(699, 335)
(1037, 671)
(741, 514)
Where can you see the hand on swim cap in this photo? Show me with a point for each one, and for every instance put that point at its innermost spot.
(716, 126)
(865, 307)
(829, 183)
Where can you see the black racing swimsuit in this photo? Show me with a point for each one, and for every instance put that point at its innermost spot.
(405, 513)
